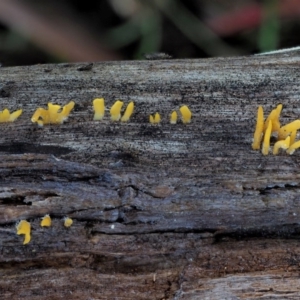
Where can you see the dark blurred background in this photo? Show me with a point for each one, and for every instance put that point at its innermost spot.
(35, 32)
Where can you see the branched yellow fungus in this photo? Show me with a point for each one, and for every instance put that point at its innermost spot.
(173, 118)
(266, 143)
(128, 112)
(115, 111)
(156, 119)
(293, 137)
(274, 117)
(54, 114)
(68, 222)
(285, 130)
(259, 129)
(99, 108)
(293, 147)
(284, 144)
(6, 116)
(186, 114)
(23, 227)
(46, 221)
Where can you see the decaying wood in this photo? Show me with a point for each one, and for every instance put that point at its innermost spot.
(160, 212)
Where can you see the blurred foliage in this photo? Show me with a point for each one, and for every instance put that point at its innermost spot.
(127, 29)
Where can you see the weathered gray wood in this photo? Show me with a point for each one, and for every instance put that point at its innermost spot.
(160, 212)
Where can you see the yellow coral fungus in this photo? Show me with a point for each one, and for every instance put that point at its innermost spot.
(115, 111)
(293, 147)
(156, 119)
(259, 129)
(285, 130)
(54, 114)
(46, 221)
(284, 144)
(99, 108)
(6, 116)
(186, 114)
(128, 112)
(23, 227)
(274, 117)
(68, 222)
(173, 118)
(293, 137)
(266, 143)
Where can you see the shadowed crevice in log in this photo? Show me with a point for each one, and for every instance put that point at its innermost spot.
(22, 148)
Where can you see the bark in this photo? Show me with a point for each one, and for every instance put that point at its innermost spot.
(160, 211)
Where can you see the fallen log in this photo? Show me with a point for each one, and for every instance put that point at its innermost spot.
(168, 211)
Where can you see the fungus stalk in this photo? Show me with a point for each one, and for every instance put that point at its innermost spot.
(99, 108)
(266, 142)
(259, 129)
(128, 112)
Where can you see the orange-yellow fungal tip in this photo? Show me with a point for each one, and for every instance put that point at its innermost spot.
(46, 221)
(284, 144)
(23, 227)
(128, 112)
(186, 114)
(6, 116)
(274, 117)
(293, 147)
(173, 118)
(285, 130)
(266, 142)
(54, 114)
(115, 111)
(259, 129)
(99, 108)
(68, 222)
(156, 119)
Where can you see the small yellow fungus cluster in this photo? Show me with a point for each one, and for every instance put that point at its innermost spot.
(286, 134)
(186, 116)
(24, 227)
(115, 110)
(6, 116)
(53, 115)
(155, 119)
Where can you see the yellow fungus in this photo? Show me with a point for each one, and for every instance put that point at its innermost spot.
(186, 114)
(99, 108)
(6, 116)
(293, 147)
(23, 227)
(259, 129)
(285, 130)
(293, 137)
(274, 117)
(173, 118)
(284, 144)
(46, 221)
(54, 114)
(67, 110)
(115, 111)
(266, 143)
(68, 222)
(155, 119)
(128, 112)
